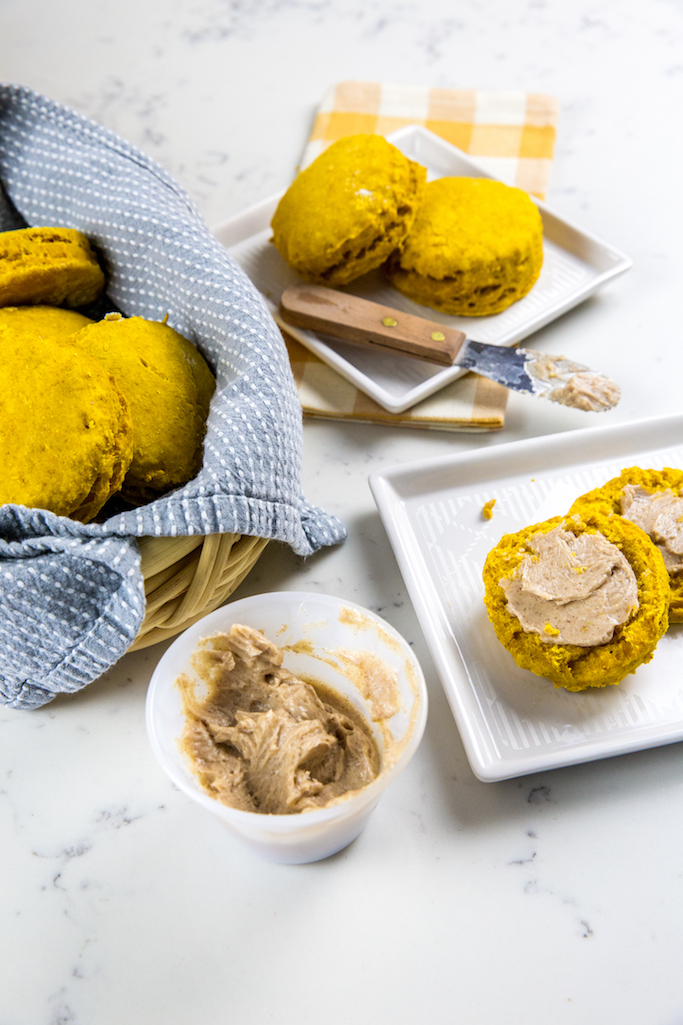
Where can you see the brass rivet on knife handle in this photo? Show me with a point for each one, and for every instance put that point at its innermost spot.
(357, 320)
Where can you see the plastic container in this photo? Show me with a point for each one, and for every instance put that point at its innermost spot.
(326, 623)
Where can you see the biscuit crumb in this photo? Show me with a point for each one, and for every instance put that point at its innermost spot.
(487, 510)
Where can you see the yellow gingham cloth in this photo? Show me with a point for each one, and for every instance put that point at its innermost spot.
(472, 403)
(512, 135)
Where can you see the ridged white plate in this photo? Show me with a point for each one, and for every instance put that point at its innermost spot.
(512, 722)
(575, 265)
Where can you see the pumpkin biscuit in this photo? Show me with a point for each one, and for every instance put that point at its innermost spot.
(475, 248)
(570, 665)
(345, 213)
(168, 387)
(42, 321)
(608, 500)
(66, 437)
(51, 266)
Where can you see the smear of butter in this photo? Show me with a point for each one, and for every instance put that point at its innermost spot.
(377, 681)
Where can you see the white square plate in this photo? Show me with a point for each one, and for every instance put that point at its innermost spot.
(575, 264)
(512, 722)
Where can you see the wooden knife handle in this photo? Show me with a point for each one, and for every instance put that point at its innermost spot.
(357, 320)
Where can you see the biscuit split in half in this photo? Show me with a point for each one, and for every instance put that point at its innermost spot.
(534, 641)
(631, 494)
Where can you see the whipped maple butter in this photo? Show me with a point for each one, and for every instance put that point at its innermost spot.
(572, 589)
(573, 385)
(659, 514)
(588, 391)
(582, 600)
(262, 740)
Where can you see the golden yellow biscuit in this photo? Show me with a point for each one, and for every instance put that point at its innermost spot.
(168, 386)
(607, 499)
(344, 214)
(475, 248)
(66, 438)
(574, 666)
(52, 266)
(42, 321)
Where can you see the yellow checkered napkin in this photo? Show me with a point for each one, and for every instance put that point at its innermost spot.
(472, 403)
(512, 135)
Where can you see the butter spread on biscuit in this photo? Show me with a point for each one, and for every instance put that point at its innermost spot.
(262, 740)
(572, 589)
(659, 514)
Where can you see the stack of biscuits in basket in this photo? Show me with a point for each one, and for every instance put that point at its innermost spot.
(584, 599)
(89, 409)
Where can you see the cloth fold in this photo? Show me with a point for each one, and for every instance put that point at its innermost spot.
(58, 168)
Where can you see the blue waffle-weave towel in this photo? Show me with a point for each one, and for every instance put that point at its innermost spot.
(71, 595)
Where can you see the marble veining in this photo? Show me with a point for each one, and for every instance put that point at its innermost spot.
(557, 898)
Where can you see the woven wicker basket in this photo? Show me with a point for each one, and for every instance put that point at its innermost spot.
(186, 577)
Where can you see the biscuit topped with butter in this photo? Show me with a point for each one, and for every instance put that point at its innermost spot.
(572, 589)
(653, 500)
(475, 248)
(345, 213)
(582, 600)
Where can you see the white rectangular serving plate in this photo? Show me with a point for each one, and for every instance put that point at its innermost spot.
(512, 722)
(575, 264)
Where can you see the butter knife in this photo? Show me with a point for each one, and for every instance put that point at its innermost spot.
(352, 319)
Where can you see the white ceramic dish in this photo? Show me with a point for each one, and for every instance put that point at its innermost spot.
(287, 617)
(576, 264)
(511, 721)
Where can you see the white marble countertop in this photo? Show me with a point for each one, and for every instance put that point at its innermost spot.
(555, 898)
